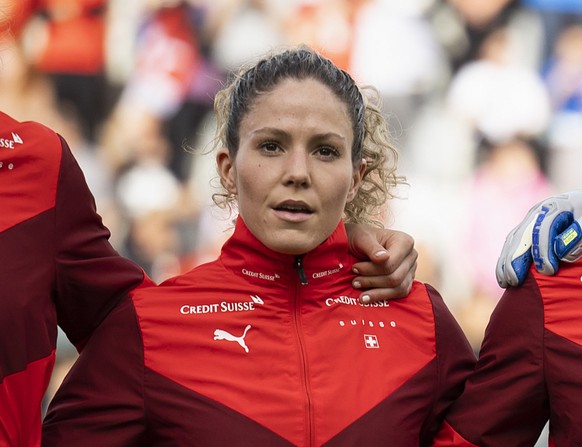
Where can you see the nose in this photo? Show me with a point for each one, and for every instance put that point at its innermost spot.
(297, 171)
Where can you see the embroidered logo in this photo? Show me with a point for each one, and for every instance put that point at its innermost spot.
(261, 275)
(220, 334)
(371, 341)
(328, 272)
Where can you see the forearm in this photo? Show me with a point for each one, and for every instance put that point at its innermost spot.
(505, 400)
(101, 400)
(90, 276)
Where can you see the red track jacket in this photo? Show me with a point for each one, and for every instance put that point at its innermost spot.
(264, 349)
(528, 370)
(56, 265)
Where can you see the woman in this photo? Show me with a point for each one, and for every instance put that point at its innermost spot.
(60, 267)
(58, 264)
(268, 345)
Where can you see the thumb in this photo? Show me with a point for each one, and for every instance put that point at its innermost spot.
(568, 244)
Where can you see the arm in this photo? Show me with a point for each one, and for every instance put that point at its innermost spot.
(101, 400)
(90, 276)
(550, 232)
(505, 402)
(392, 262)
(455, 363)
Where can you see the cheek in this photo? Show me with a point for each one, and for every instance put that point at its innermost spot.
(337, 191)
(252, 186)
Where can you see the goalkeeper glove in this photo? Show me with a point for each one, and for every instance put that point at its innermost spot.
(550, 232)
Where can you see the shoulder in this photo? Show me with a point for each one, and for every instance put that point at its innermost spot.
(558, 293)
(424, 296)
(30, 161)
(519, 315)
(416, 310)
(567, 279)
(29, 148)
(207, 276)
(561, 298)
(27, 136)
(434, 308)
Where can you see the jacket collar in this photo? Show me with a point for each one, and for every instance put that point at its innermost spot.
(246, 255)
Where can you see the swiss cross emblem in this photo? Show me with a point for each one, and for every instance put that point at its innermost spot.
(371, 341)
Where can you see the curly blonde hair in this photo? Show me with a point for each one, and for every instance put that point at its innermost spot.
(371, 136)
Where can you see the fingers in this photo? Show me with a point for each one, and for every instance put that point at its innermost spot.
(548, 225)
(500, 272)
(554, 217)
(515, 258)
(519, 268)
(390, 272)
(401, 248)
(387, 280)
(568, 244)
(365, 242)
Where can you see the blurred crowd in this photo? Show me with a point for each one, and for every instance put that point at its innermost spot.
(483, 98)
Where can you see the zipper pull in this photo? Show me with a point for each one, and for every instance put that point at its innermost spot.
(300, 271)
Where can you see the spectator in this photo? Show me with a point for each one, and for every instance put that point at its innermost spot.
(563, 78)
(70, 49)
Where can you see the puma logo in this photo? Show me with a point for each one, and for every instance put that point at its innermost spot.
(219, 334)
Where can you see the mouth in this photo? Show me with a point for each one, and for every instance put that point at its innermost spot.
(292, 206)
(293, 211)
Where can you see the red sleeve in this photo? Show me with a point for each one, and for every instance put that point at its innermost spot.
(100, 402)
(455, 360)
(505, 402)
(91, 277)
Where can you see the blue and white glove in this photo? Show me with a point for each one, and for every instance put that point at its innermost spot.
(550, 232)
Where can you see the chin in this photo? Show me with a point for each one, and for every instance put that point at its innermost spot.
(293, 248)
(292, 242)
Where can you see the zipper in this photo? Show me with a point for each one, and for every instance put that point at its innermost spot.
(303, 363)
(300, 270)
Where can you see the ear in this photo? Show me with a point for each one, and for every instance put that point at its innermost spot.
(226, 170)
(357, 177)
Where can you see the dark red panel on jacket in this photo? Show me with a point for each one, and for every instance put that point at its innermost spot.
(205, 421)
(28, 322)
(565, 389)
(510, 368)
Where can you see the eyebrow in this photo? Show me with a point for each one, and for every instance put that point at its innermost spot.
(281, 133)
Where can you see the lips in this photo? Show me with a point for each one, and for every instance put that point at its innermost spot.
(293, 211)
(292, 206)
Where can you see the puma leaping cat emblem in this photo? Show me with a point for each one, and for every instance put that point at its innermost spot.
(219, 334)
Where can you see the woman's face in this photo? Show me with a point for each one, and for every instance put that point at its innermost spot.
(293, 172)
